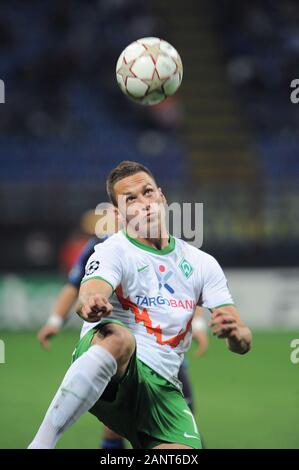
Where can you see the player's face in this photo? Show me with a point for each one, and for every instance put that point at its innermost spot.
(140, 203)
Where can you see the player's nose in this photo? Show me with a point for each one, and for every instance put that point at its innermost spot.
(143, 201)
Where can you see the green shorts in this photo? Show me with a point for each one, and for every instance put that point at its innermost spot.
(143, 407)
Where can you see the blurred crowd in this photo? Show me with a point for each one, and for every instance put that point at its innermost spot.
(58, 58)
(261, 44)
(65, 123)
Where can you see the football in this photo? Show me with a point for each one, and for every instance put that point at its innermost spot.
(149, 70)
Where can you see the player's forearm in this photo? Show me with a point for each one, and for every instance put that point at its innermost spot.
(83, 299)
(240, 343)
(80, 303)
(89, 289)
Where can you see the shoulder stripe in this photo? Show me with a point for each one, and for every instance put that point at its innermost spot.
(222, 305)
(100, 278)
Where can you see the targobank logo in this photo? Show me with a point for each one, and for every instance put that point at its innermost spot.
(143, 301)
(163, 278)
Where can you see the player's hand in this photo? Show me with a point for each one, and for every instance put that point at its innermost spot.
(95, 307)
(46, 333)
(225, 325)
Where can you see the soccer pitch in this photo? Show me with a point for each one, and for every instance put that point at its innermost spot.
(241, 401)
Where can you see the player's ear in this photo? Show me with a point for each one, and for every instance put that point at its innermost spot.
(115, 211)
(119, 218)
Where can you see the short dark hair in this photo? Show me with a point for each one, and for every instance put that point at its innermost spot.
(122, 170)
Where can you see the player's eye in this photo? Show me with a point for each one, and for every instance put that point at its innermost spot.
(148, 191)
(130, 198)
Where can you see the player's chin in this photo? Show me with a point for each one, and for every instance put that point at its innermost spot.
(148, 228)
(153, 225)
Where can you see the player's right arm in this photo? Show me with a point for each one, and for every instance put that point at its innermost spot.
(93, 303)
(66, 298)
(103, 273)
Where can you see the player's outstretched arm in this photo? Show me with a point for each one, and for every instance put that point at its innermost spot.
(226, 323)
(93, 303)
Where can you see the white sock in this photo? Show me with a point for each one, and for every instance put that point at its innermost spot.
(82, 386)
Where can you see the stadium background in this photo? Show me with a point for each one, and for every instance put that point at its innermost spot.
(229, 139)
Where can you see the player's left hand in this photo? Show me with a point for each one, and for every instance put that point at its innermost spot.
(224, 324)
(46, 333)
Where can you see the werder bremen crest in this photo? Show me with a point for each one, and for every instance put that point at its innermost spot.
(186, 268)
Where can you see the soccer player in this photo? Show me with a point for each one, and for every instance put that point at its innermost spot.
(138, 299)
(69, 295)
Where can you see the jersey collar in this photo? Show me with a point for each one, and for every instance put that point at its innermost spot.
(167, 249)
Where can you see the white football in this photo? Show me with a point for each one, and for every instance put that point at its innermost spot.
(149, 70)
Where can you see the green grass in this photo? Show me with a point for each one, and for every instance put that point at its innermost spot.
(242, 401)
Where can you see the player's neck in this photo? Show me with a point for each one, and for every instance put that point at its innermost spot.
(159, 242)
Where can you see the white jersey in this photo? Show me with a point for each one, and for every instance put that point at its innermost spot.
(155, 294)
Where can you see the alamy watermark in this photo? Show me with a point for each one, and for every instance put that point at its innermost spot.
(295, 353)
(2, 352)
(294, 96)
(2, 92)
(153, 220)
